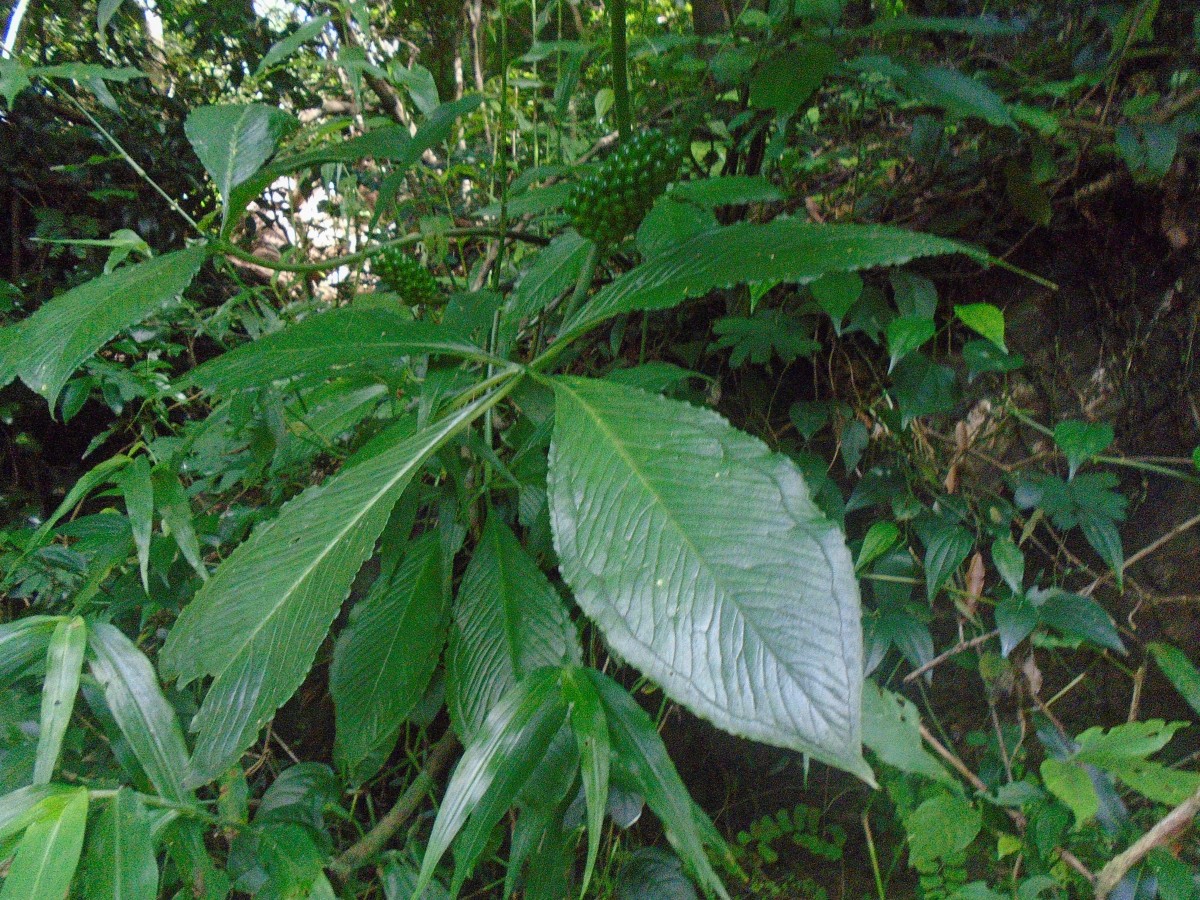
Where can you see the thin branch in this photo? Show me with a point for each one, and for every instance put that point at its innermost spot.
(953, 651)
(1168, 826)
(405, 808)
(1146, 551)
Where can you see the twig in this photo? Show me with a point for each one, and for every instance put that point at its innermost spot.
(410, 801)
(1146, 551)
(1168, 826)
(953, 651)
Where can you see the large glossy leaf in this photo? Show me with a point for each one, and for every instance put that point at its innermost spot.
(783, 250)
(120, 862)
(329, 344)
(23, 643)
(147, 721)
(494, 767)
(234, 141)
(64, 332)
(703, 559)
(48, 853)
(642, 760)
(509, 621)
(64, 662)
(386, 657)
(258, 621)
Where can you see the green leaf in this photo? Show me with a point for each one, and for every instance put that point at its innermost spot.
(906, 334)
(1122, 743)
(256, 624)
(176, 511)
(135, 485)
(940, 827)
(21, 808)
(767, 333)
(1071, 784)
(495, 766)
(234, 141)
(711, 549)
(670, 222)
(64, 662)
(326, 345)
(984, 319)
(783, 250)
(790, 76)
(14, 78)
(67, 330)
(49, 853)
(285, 47)
(147, 721)
(880, 538)
(651, 873)
(946, 548)
(891, 729)
(984, 356)
(1157, 782)
(23, 643)
(105, 10)
(1105, 539)
(1010, 563)
(119, 861)
(1080, 441)
(643, 760)
(728, 190)
(1079, 616)
(922, 387)
(959, 94)
(591, 735)
(915, 294)
(1016, 619)
(385, 658)
(553, 273)
(836, 293)
(1174, 664)
(508, 621)
(1174, 876)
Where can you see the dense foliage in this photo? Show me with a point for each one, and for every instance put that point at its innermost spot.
(412, 480)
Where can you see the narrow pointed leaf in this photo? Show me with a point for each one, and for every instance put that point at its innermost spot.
(119, 862)
(256, 624)
(386, 657)
(23, 643)
(688, 541)
(639, 751)
(783, 250)
(1179, 670)
(509, 621)
(147, 721)
(326, 345)
(49, 853)
(138, 491)
(176, 511)
(21, 808)
(64, 661)
(591, 735)
(553, 272)
(524, 720)
(67, 330)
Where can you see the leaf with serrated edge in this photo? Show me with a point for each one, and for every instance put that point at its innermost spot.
(143, 714)
(704, 561)
(64, 332)
(257, 622)
(233, 141)
(509, 621)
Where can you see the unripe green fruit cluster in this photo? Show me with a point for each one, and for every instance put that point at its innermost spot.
(611, 201)
(401, 273)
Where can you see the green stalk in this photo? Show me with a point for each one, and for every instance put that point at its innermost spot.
(620, 65)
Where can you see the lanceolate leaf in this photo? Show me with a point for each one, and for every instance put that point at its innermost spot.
(553, 272)
(327, 345)
(23, 643)
(590, 726)
(258, 621)
(48, 853)
(783, 250)
(120, 862)
(509, 621)
(136, 701)
(386, 656)
(64, 661)
(64, 332)
(688, 541)
(138, 490)
(234, 141)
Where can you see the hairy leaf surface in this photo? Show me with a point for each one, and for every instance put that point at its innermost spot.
(702, 557)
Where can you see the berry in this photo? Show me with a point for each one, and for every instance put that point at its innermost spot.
(611, 201)
(401, 273)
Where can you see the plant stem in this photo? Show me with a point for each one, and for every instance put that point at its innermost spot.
(620, 65)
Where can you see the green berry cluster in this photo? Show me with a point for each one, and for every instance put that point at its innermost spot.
(401, 273)
(611, 201)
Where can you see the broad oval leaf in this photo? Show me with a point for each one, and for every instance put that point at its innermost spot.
(509, 621)
(386, 657)
(329, 344)
(64, 332)
(234, 141)
(49, 852)
(702, 557)
(256, 624)
(147, 721)
(64, 662)
(783, 250)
